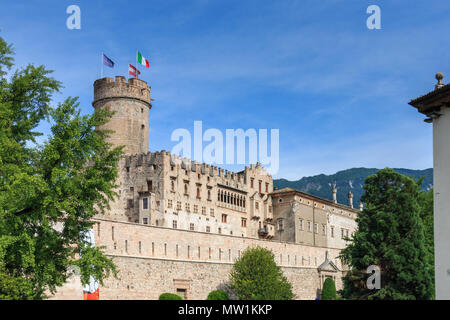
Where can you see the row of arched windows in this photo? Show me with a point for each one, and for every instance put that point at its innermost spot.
(231, 198)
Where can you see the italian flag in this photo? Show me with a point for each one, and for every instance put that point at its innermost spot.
(142, 60)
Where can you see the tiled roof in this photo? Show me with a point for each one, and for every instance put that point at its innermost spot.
(430, 94)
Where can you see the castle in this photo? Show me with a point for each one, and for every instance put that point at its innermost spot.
(178, 225)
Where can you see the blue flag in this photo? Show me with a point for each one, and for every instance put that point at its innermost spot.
(107, 61)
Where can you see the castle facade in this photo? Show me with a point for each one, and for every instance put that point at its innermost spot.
(178, 225)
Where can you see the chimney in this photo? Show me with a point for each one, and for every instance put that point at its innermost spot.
(334, 191)
(350, 199)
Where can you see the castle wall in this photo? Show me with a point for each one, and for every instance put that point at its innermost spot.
(153, 260)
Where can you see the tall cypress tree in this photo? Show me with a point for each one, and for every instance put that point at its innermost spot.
(390, 235)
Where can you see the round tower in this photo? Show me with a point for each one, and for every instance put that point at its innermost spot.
(131, 103)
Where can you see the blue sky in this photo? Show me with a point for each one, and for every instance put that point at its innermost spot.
(337, 91)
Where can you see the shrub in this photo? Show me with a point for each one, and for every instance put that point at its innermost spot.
(218, 295)
(169, 296)
(256, 276)
(329, 290)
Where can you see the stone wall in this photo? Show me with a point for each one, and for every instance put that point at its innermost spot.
(152, 260)
(145, 278)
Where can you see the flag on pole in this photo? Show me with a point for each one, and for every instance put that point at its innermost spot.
(133, 70)
(107, 61)
(142, 60)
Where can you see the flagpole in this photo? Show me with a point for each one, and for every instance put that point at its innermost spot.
(101, 72)
(137, 70)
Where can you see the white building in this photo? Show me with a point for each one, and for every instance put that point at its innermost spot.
(435, 105)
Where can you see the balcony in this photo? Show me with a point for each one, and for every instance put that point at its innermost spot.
(267, 232)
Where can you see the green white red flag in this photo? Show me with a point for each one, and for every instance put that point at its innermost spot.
(142, 60)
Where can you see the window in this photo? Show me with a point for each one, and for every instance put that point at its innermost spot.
(208, 229)
(198, 192)
(174, 224)
(219, 230)
(204, 211)
(251, 182)
(186, 189)
(149, 186)
(130, 203)
(182, 293)
(145, 203)
(324, 229)
(169, 203)
(131, 189)
(257, 205)
(267, 187)
(187, 207)
(332, 231)
(243, 222)
(224, 218)
(259, 186)
(280, 224)
(309, 226)
(140, 247)
(316, 228)
(145, 220)
(211, 212)
(342, 233)
(195, 208)
(191, 227)
(209, 194)
(179, 205)
(172, 185)
(300, 224)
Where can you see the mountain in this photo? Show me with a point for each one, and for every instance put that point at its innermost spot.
(346, 180)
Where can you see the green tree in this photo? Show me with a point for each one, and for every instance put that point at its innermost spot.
(426, 213)
(49, 190)
(329, 290)
(169, 296)
(390, 235)
(218, 295)
(255, 276)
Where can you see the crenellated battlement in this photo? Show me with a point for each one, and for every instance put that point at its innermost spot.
(108, 88)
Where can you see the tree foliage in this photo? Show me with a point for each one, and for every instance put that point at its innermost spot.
(169, 296)
(329, 290)
(390, 235)
(218, 295)
(256, 276)
(50, 190)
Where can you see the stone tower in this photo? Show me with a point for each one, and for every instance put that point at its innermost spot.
(131, 103)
